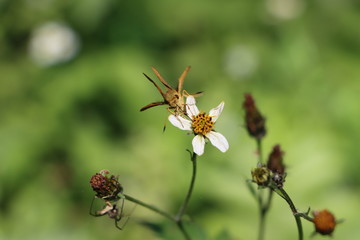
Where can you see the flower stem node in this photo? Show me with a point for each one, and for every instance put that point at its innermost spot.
(324, 222)
(106, 188)
(201, 125)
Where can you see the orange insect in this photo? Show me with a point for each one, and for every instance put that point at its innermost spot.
(172, 97)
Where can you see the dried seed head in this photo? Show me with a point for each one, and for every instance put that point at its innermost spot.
(275, 161)
(276, 166)
(261, 175)
(255, 122)
(324, 222)
(105, 188)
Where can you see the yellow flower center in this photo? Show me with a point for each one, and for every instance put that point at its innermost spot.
(202, 124)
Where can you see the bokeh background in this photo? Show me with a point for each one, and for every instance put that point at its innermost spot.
(71, 87)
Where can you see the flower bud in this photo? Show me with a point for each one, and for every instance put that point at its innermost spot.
(261, 176)
(105, 188)
(276, 166)
(324, 222)
(275, 161)
(255, 122)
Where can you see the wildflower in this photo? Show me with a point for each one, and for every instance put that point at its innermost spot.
(261, 175)
(105, 188)
(201, 124)
(255, 122)
(324, 222)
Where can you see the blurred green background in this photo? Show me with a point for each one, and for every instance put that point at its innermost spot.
(71, 87)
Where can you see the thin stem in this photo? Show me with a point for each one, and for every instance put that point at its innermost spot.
(305, 216)
(282, 193)
(259, 150)
(263, 205)
(189, 193)
(261, 225)
(157, 210)
(185, 204)
(183, 231)
(264, 209)
(178, 218)
(268, 203)
(150, 207)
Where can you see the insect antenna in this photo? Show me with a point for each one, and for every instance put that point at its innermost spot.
(157, 86)
(161, 78)
(181, 79)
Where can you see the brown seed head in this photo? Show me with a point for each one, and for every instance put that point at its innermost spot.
(324, 222)
(255, 122)
(105, 188)
(275, 161)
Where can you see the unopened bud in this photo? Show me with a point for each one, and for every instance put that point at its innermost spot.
(276, 166)
(255, 122)
(275, 161)
(261, 176)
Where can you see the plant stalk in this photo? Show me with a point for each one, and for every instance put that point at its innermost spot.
(178, 218)
(150, 207)
(282, 193)
(185, 204)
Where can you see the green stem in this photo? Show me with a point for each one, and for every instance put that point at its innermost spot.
(282, 193)
(185, 204)
(261, 225)
(150, 207)
(259, 150)
(183, 231)
(189, 193)
(264, 209)
(263, 205)
(178, 218)
(305, 216)
(157, 210)
(268, 203)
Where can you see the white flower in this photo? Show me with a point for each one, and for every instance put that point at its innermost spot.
(201, 125)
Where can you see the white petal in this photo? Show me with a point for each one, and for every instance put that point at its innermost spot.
(198, 144)
(218, 140)
(215, 112)
(191, 107)
(180, 122)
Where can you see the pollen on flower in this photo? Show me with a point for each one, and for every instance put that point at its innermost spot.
(202, 124)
